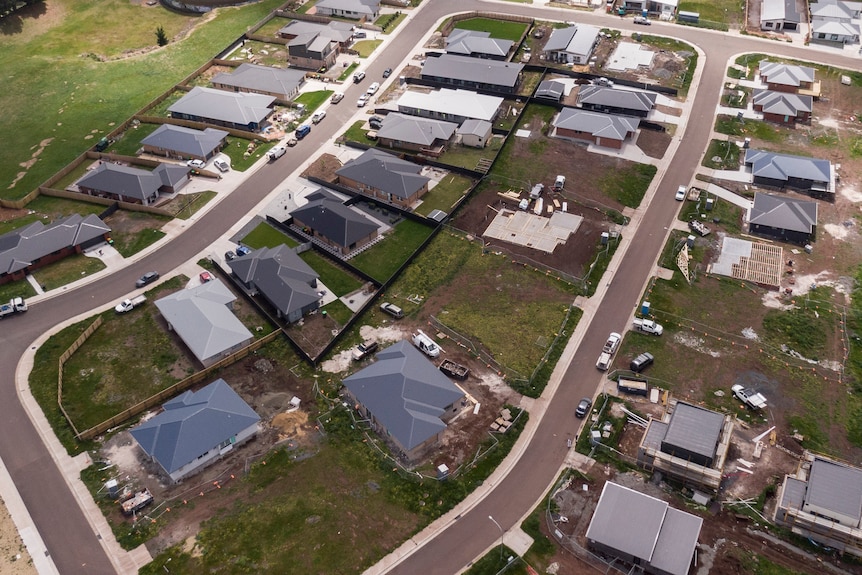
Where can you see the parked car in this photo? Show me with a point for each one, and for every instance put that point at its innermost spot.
(392, 310)
(372, 89)
(376, 122)
(358, 77)
(291, 142)
(197, 164)
(318, 116)
(387, 72)
(539, 33)
(371, 134)
(221, 165)
(146, 279)
(229, 255)
(364, 349)
(337, 97)
(302, 131)
(242, 250)
(276, 152)
(583, 408)
(363, 99)
(680, 193)
(642, 20)
(641, 362)
(206, 277)
(103, 144)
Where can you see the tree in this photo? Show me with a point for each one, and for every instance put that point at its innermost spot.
(161, 37)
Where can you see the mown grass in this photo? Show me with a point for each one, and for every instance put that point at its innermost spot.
(313, 100)
(501, 29)
(20, 288)
(444, 195)
(128, 244)
(333, 277)
(366, 47)
(727, 151)
(384, 259)
(723, 11)
(467, 157)
(48, 209)
(66, 271)
(81, 98)
(751, 128)
(185, 206)
(728, 214)
(628, 185)
(356, 133)
(266, 236)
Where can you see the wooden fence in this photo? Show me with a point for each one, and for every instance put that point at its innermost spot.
(64, 358)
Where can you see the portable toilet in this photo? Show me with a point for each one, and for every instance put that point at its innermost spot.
(645, 309)
(113, 488)
(605, 238)
(709, 204)
(690, 241)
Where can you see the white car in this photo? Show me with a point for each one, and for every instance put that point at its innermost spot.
(363, 99)
(318, 116)
(372, 89)
(221, 165)
(337, 97)
(680, 193)
(197, 164)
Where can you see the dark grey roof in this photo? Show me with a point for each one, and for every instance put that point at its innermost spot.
(785, 166)
(405, 392)
(335, 31)
(783, 103)
(612, 97)
(644, 527)
(21, 247)
(385, 172)
(233, 107)
(201, 318)
(470, 42)
(578, 39)
(550, 89)
(263, 79)
(599, 125)
(560, 39)
(793, 496)
(694, 429)
(784, 213)
(280, 275)
(128, 181)
(193, 423)
(335, 221)
(415, 129)
(654, 434)
(786, 74)
(465, 68)
(186, 141)
(836, 487)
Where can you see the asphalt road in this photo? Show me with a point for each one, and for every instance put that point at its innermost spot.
(63, 527)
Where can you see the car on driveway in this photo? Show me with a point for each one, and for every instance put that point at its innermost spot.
(387, 72)
(337, 97)
(242, 250)
(583, 408)
(197, 164)
(221, 165)
(363, 99)
(376, 122)
(147, 279)
(206, 277)
(680, 193)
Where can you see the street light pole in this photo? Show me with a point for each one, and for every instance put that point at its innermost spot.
(502, 532)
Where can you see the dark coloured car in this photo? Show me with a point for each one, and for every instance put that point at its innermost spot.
(242, 250)
(229, 255)
(376, 122)
(146, 279)
(387, 72)
(583, 408)
(641, 362)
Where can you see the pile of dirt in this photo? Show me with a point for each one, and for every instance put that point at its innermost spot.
(290, 424)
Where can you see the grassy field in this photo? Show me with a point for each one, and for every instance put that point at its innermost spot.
(73, 66)
(467, 157)
(444, 195)
(266, 236)
(313, 100)
(629, 185)
(333, 277)
(501, 29)
(356, 133)
(185, 206)
(729, 214)
(752, 128)
(66, 271)
(366, 47)
(48, 209)
(730, 12)
(390, 22)
(728, 152)
(384, 259)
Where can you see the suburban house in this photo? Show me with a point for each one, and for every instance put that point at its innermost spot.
(339, 32)
(604, 130)
(783, 108)
(806, 175)
(185, 143)
(822, 501)
(416, 133)
(551, 89)
(477, 44)
(450, 105)
(474, 133)
(782, 218)
(473, 73)
(197, 428)
(665, 9)
(280, 83)
(616, 101)
(282, 278)
(312, 51)
(353, 9)
(778, 15)
(780, 77)
(832, 21)
(644, 531)
(334, 224)
(203, 318)
(36, 245)
(133, 185)
(571, 45)
(689, 443)
(241, 111)
(381, 175)
(406, 398)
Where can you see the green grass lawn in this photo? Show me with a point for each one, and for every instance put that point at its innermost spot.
(730, 12)
(727, 152)
(628, 185)
(20, 288)
(236, 149)
(66, 271)
(356, 133)
(366, 47)
(391, 21)
(57, 68)
(444, 195)
(271, 28)
(730, 215)
(384, 259)
(130, 243)
(752, 128)
(336, 279)
(467, 157)
(48, 209)
(313, 100)
(501, 29)
(185, 206)
(130, 142)
(348, 71)
(266, 236)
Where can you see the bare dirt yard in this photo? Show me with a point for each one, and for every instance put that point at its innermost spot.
(14, 558)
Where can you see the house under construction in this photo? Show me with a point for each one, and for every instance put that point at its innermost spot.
(689, 444)
(823, 501)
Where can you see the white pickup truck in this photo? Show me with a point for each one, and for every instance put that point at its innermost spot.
(608, 351)
(648, 326)
(15, 305)
(129, 304)
(749, 397)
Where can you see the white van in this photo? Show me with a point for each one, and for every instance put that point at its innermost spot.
(276, 152)
(425, 344)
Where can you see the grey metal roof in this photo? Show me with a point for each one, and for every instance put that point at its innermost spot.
(694, 429)
(280, 275)
(335, 31)
(830, 9)
(453, 103)
(782, 103)
(405, 392)
(676, 543)
(124, 180)
(193, 423)
(831, 27)
(784, 213)
(627, 521)
(233, 107)
(201, 318)
(786, 74)
(415, 129)
(21, 247)
(550, 89)
(263, 79)
(335, 221)
(835, 487)
(470, 42)
(793, 496)
(476, 70)
(186, 141)
(367, 7)
(784, 10)
(654, 434)
(599, 125)
(560, 39)
(628, 99)
(785, 166)
(385, 172)
(475, 127)
(578, 40)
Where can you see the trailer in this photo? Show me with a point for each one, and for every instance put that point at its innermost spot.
(454, 370)
(699, 227)
(137, 501)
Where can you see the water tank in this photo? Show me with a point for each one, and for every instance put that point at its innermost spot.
(645, 309)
